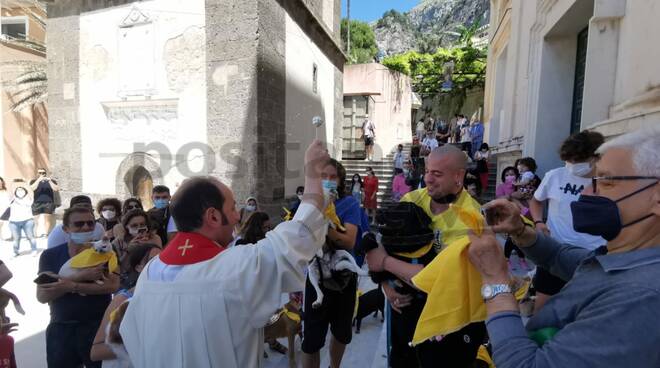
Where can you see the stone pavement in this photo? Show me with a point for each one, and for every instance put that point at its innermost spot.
(366, 351)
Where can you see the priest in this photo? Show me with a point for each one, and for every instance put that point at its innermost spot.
(199, 304)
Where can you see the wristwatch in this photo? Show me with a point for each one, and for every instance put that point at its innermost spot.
(490, 291)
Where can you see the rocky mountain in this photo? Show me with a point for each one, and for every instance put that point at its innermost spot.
(427, 26)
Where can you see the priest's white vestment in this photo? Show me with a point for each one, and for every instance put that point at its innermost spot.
(211, 313)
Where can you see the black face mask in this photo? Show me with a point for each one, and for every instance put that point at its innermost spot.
(449, 198)
(600, 216)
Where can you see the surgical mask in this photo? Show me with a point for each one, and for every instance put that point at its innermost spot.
(82, 238)
(509, 179)
(250, 208)
(108, 214)
(161, 203)
(581, 169)
(329, 185)
(300, 196)
(137, 230)
(599, 216)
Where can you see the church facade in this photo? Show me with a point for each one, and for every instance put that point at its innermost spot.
(143, 93)
(556, 67)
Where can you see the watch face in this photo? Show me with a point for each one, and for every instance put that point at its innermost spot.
(486, 291)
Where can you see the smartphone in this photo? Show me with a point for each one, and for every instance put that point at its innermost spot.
(45, 278)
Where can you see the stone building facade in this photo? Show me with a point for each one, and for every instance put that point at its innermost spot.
(561, 66)
(151, 92)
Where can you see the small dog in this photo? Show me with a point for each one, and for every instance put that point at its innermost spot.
(101, 247)
(282, 325)
(371, 301)
(327, 260)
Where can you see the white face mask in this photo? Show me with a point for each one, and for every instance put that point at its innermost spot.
(300, 197)
(109, 214)
(581, 169)
(250, 208)
(137, 230)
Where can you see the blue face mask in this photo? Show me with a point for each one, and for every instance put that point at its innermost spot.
(82, 238)
(599, 216)
(329, 185)
(161, 203)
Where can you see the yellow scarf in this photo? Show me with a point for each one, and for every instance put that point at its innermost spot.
(453, 286)
(90, 258)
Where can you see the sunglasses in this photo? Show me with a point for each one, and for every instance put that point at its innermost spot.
(80, 224)
(133, 207)
(596, 179)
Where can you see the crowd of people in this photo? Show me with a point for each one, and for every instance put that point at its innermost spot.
(215, 273)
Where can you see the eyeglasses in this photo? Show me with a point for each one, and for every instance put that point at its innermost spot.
(595, 179)
(80, 224)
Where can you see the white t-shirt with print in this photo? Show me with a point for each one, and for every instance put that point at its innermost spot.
(561, 188)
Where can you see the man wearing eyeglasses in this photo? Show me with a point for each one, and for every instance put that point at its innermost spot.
(76, 308)
(607, 314)
(59, 236)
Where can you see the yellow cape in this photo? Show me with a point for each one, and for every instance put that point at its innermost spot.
(453, 286)
(90, 258)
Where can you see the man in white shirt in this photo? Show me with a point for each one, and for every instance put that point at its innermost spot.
(369, 133)
(559, 188)
(419, 130)
(199, 304)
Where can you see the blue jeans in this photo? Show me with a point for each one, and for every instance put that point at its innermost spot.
(27, 227)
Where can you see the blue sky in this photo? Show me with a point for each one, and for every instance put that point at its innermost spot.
(370, 10)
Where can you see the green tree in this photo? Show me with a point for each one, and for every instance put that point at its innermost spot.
(463, 65)
(363, 41)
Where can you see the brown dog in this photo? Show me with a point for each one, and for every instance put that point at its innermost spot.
(283, 325)
(5, 297)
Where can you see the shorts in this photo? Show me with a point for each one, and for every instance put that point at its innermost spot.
(39, 208)
(547, 283)
(336, 311)
(368, 141)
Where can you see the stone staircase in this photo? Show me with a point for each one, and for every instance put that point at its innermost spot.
(383, 170)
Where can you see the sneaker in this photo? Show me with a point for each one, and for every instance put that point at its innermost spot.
(16, 254)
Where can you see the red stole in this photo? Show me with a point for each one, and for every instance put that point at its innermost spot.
(189, 248)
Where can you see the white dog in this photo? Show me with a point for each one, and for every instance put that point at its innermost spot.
(102, 247)
(329, 260)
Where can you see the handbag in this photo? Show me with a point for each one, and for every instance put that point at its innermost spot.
(7, 213)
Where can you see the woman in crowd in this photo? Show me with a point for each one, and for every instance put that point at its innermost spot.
(107, 345)
(340, 292)
(399, 187)
(251, 206)
(138, 231)
(357, 188)
(130, 204)
(109, 210)
(506, 188)
(527, 183)
(254, 229)
(370, 192)
(21, 219)
(481, 157)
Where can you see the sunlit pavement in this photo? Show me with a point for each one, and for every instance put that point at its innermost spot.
(365, 351)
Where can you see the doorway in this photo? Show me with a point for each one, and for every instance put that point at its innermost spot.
(142, 185)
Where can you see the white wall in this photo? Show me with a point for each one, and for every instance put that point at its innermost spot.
(302, 104)
(175, 56)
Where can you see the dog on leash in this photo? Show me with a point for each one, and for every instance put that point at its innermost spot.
(287, 322)
(372, 301)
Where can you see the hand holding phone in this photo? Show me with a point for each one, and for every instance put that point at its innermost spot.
(45, 278)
